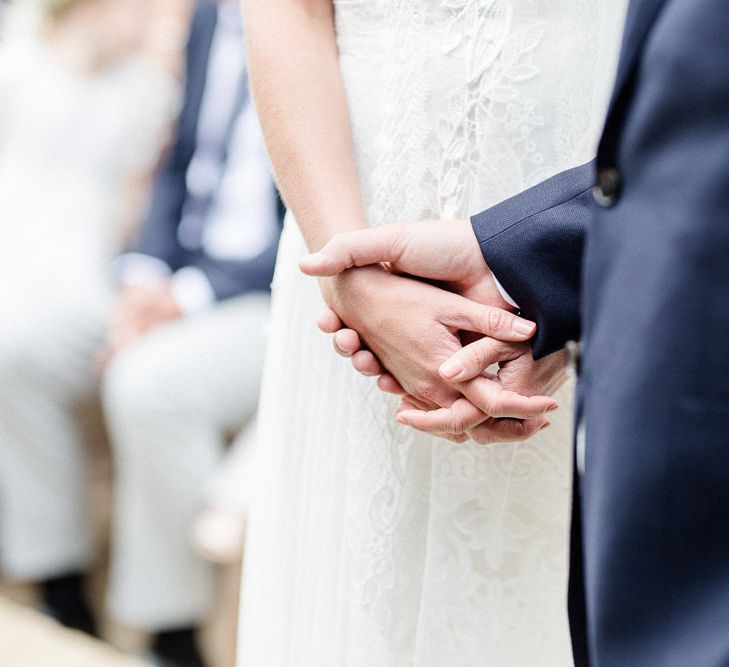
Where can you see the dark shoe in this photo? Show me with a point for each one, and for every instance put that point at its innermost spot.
(177, 648)
(64, 599)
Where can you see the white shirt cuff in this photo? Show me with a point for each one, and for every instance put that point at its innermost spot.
(505, 294)
(192, 290)
(136, 268)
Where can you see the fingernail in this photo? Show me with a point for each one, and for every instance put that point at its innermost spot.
(523, 327)
(543, 426)
(552, 407)
(401, 420)
(451, 369)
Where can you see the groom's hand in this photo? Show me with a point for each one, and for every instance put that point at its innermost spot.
(413, 328)
(520, 374)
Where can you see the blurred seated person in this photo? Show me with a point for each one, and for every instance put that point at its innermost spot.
(186, 339)
(183, 350)
(82, 116)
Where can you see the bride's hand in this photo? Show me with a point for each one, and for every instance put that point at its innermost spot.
(521, 374)
(443, 250)
(446, 251)
(412, 328)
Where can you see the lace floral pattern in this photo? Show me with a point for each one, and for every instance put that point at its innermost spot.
(379, 545)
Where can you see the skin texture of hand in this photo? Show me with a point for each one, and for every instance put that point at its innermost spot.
(413, 328)
(137, 310)
(447, 252)
(520, 374)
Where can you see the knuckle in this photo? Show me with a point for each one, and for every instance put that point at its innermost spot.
(497, 319)
(482, 436)
(473, 355)
(340, 248)
(398, 239)
(487, 348)
(495, 407)
(335, 244)
(457, 425)
(504, 348)
(362, 365)
(520, 430)
(339, 350)
(425, 389)
(517, 430)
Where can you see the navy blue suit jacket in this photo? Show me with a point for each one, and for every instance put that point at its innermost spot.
(650, 554)
(158, 235)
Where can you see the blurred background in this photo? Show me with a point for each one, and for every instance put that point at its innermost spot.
(138, 231)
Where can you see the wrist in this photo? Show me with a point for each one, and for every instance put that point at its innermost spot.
(346, 292)
(480, 284)
(509, 303)
(484, 289)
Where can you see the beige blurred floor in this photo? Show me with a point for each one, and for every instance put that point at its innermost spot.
(29, 639)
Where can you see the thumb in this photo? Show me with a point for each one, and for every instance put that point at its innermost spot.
(490, 321)
(359, 248)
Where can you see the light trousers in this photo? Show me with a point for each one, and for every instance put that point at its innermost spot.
(171, 401)
(48, 342)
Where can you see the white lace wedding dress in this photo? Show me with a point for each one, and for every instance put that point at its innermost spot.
(371, 544)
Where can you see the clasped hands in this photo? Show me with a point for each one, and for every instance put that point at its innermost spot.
(416, 305)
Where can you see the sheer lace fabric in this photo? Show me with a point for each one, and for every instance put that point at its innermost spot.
(371, 544)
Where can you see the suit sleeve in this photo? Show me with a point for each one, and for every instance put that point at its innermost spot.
(158, 234)
(533, 243)
(231, 278)
(228, 279)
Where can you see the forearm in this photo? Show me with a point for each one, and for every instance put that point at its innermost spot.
(297, 86)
